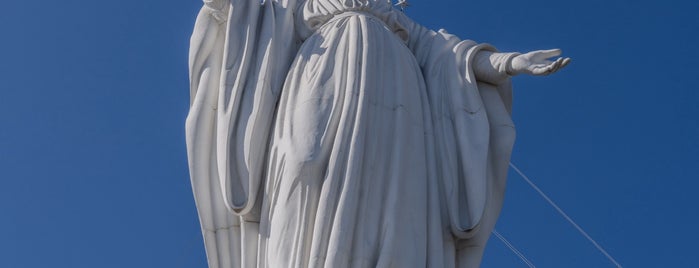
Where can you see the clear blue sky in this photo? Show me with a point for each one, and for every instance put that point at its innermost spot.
(94, 96)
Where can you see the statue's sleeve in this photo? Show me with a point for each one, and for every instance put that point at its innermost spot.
(470, 98)
(240, 52)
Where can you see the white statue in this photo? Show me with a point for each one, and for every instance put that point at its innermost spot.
(339, 133)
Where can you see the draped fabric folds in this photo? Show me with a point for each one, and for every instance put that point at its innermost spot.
(239, 56)
(339, 133)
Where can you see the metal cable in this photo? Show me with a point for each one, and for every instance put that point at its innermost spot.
(560, 211)
(513, 249)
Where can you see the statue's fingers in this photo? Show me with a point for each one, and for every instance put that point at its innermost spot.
(541, 70)
(541, 66)
(565, 62)
(544, 63)
(552, 68)
(560, 63)
(557, 65)
(549, 53)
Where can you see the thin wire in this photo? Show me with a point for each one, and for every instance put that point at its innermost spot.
(560, 211)
(513, 249)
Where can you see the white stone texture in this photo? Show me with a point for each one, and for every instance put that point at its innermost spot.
(339, 133)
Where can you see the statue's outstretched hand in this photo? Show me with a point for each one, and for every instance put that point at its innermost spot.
(537, 63)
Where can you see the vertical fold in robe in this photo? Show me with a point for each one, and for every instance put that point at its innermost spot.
(240, 52)
(472, 129)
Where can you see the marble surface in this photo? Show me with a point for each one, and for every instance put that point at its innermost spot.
(340, 133)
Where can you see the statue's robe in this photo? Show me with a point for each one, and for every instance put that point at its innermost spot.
(338, 133)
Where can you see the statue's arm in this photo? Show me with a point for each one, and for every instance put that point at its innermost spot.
(426, 44)
(494, 66)
(488, 65)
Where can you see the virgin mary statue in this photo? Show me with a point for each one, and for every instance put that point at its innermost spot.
(340, 133)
